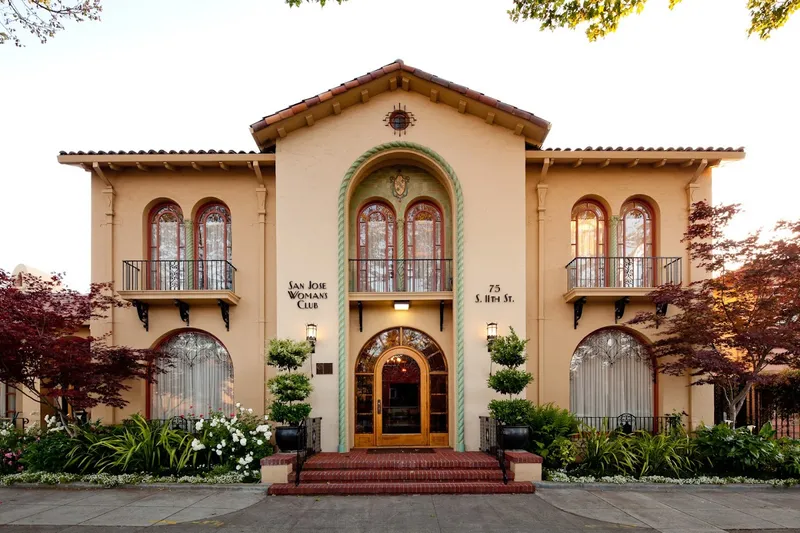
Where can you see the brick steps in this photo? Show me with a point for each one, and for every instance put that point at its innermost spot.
(359, 472)
(399, 487)
(441, 474)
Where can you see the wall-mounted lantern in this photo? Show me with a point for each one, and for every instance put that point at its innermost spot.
(491, 334)
(311, 336)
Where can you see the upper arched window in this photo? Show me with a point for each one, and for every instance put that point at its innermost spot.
(214, 243)
(167, 248)
(376, 248)
(612, 374)
(424, 245)
(635, 232)
(588, 229)
(199, 379)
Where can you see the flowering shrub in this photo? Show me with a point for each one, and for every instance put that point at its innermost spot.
(237, 441)
(9, 461)
(563, 477)
(111, 480)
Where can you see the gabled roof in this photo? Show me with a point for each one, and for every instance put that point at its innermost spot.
(394, 76)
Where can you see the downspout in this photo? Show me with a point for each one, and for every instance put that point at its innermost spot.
(261, 197)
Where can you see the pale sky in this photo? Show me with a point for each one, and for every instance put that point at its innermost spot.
(194, 74)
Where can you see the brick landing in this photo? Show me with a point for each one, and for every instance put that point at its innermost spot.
(442, 472)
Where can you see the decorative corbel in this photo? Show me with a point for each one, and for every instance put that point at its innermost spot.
(577, 163)
(441, 315)
(604, 163)
(257, 170)
(360, 316)
(224, 167)
(619, 308)
(102, 175)
(168, 166)
(434, 95)
(698, 171)
(225, 309)
(183, 310)
(142, 167)
(197, 167)
(143, 310)
(545, 167)
(632, 164)
(115, 168)
(577, 308)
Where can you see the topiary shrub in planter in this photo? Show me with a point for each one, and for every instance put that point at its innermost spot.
(289, 389)
(509, 352)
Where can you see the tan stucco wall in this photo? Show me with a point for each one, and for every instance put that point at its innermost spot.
(135, 194)
(490, 165)
(665, 190)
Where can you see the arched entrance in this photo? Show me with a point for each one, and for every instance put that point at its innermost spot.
(401, 391)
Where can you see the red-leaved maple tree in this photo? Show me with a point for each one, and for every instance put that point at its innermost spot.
(42, 356)
(742, 317)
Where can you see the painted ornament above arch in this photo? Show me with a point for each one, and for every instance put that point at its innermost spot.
(399, 185)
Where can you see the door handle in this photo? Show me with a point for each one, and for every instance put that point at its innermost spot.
(379, 406)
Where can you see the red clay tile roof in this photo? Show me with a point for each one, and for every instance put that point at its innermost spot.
(159, 152)
(644, 149)
(302, 106)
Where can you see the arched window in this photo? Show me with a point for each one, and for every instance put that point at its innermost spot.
(214, 248)
(612, 374)
(588, 230)
(376, 248)
(200, 378)
(424, 245)
(167, 248)
(635, 245)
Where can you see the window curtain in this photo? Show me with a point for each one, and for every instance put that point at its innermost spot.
(611, 374)
(214, 247)
(200, 380)
(3, 407)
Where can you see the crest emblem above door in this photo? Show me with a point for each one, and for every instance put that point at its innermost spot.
(399, 185)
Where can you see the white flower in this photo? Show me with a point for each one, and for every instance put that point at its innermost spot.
(259, 442)
(197, 445)
(198, 425)
(235, 437)
(243, 442)
(219, 446)
(266, 417)
(224, 443)
(238, 405)
(238, 467)
(241, 409)
(219, 452)
(250, 410)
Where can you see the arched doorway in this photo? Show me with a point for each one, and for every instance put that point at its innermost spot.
(401, 391)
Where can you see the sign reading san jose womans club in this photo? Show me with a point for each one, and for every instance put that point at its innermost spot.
(308, 295)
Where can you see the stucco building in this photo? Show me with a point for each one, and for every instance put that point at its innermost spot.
(400, 214)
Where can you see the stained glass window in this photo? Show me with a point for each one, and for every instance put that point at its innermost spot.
(376, 248)
(167, 248)
(214, 247)
(424, 243)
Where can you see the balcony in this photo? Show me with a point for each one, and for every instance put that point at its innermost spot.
(616, 277)
(416, 278)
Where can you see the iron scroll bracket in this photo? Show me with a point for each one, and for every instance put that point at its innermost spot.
(183, 310)
(578, 310)
(143, 310)
(225, 309)
(619, 308)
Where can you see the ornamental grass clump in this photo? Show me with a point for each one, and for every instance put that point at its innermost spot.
(289, 388)
(509, 352)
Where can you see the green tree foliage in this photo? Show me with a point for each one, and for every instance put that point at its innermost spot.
(603, 16)
(290, 387)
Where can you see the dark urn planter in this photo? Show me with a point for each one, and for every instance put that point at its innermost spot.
(515, 437)
(286, 438)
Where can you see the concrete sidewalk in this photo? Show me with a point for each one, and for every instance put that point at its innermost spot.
(119, 507)
(683, 509)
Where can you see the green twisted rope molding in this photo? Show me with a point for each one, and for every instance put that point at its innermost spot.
(459, 283)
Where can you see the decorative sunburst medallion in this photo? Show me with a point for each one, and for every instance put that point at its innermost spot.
(399, 119)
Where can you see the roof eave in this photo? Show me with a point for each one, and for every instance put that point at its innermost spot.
(633, 157)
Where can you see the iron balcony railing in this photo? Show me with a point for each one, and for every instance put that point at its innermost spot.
(178, 275)
(623, 272)
(401, 275)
